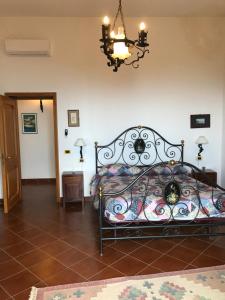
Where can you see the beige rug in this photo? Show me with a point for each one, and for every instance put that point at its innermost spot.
(197, 284)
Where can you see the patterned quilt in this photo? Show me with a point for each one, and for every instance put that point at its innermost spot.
(145, 200)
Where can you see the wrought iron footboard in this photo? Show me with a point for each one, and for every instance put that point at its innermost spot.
(164, 200)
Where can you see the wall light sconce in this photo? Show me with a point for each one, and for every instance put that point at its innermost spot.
(80, 143)
(201, 140)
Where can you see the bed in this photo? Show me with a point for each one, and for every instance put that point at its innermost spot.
(144, 189)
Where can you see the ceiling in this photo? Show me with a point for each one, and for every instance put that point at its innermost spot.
(96, 8)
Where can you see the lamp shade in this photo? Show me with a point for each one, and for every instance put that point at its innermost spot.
(201, 140)
(80, 142)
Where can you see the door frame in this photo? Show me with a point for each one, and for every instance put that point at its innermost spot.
(49, 96)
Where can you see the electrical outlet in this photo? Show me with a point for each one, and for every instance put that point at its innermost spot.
(67, 151)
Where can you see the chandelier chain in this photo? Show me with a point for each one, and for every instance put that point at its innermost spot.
(119, 12)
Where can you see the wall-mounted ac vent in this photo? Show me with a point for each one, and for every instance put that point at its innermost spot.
(28, 47)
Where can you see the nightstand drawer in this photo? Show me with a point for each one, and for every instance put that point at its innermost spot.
(208, 176)
(73, 190)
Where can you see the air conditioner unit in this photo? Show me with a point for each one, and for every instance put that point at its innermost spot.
(28, 47)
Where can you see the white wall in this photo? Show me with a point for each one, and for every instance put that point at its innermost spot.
(37, 150)
(223, 138)
(182, 75)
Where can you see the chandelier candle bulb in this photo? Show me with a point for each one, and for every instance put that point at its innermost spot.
(142, 26)
(112, 35)
(120, 34)
(106, 21)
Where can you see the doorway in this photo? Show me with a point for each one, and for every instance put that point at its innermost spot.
(36, 136)
(33, 99)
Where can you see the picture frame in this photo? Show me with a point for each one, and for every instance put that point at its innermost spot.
(200, 121)
(29, 123)
(73, 118)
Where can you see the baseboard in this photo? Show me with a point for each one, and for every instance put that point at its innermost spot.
(86, 199)
(31, 181)
(38, 181)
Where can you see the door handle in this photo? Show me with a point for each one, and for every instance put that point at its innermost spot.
(9, 157)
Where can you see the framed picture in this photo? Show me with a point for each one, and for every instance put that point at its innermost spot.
(29, 123)
(200, 121)
(73, 118)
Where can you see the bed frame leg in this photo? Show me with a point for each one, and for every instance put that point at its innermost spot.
(115, 234)
(100, 235)
(101, 247)
(100, 220)
(100, 240)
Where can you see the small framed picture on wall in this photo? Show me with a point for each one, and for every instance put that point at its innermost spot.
(200, 121)
(29, 123)
(73, 118)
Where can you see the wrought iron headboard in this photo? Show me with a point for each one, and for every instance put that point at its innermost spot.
(138, 146)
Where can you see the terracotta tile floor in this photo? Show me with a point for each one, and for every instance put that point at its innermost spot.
(42, 244)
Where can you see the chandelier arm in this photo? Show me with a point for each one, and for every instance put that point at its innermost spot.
(115, 63)
(140, 55)
(111, 61)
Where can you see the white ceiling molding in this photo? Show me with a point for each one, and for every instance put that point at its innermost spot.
(97, 8)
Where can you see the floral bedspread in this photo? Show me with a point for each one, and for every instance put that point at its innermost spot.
(145, 200)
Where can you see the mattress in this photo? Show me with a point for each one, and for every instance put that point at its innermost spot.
(145, 200)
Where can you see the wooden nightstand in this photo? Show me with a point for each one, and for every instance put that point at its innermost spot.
(73, 187)
(210, 177)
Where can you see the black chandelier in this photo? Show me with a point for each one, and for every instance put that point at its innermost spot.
(117, 47)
